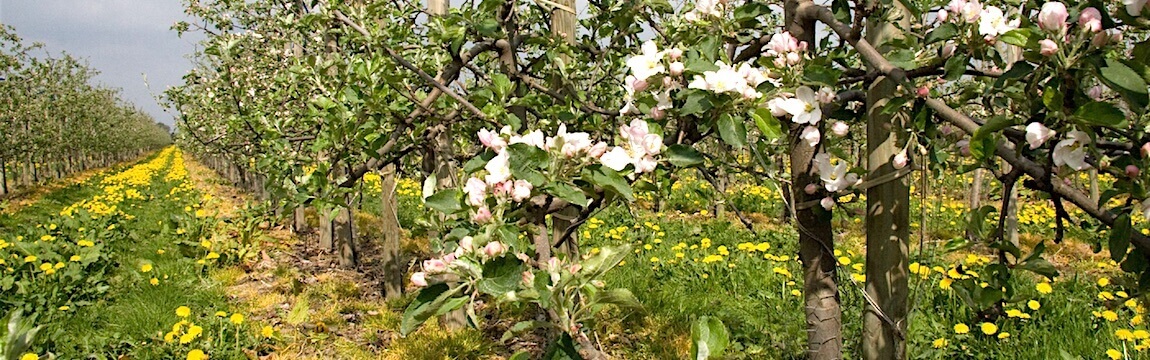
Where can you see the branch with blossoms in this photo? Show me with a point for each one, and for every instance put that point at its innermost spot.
(512, 186)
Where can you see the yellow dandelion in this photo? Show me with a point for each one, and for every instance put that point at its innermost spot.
(237, 318)
(1103, 281)
(961, 329)
(988, 328)
(940, 343)
(1044, 288)
(1003, 335)
(30, 356)
(1033, 304)
(147, 267)
(1114, 354)
(183, 311)
(197, 354)
(154, 281)
(1123, 334)
(268, 331)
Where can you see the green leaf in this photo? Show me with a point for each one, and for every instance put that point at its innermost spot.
(767, 123)
(1123, 77)
(1017, 37)
(1039, 266)
(500, 276)
(1101, 114)
(955, 67)
(709, 338)
(683, 156)
(445, 201)
(428, 301)
(607, 258)
(944, 32)
(523, 326)
(567, 192)
(1016, 71)
(608, 179)
(525, 157)
(696, 103)
(1120, 234)
(821, 75)
(1052, 96)
(993, 125)
(732, 131)
(619, 297)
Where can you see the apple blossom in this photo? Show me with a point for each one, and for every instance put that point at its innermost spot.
(1037, 134)
(1048, 47)
(617, 159)
(419, 279)
(1072, 151)
(482, 215)
(1095, 92)
(811, 135)
(498, 169)
(492, 140)
(922, 91)
(725, 79)
(785, 49)
(993, 23)
(677, 68)
(943, 15)
(840, 128)
(1133, 171)
(827, 203)
(900, 160)
(597, 150)
(1145, 149)
(964, 11)
(948, 49)
(833, 173)
(528, 278)
(1134, 8)
(825, 95)
(534, 138)
(1090, 19)
(775, 105)
(522, 191)
(476, 191)
(648, 63)
(675, 53)
(494, 248)
(804, 107)
(811, 189)
(467, 244)
(1052, 16)
(434, 266)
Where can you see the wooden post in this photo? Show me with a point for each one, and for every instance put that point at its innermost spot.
(888, 209)
(390, 257)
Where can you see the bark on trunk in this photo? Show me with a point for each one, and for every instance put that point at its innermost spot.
(816, 241)
(343, 233)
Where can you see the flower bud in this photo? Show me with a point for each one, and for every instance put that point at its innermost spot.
(900, 160)
(948, 49)
(434, 266)
(811, 189)
(677, 68)
(943, 15)
(840, 128)
(1145, 149)
(1090, 20)
(467, 244)
(922, 92)
(1132, 171)
(598, 150)
(528, 278)
(827, 203)
(1049, 48)
(419, 279)
(1095, 92)
(675, 53)
(494, 249)
(1052, 16)
(482, 216)
(639, 85)
(658, 114)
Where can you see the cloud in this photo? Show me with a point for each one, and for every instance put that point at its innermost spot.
(124, 40)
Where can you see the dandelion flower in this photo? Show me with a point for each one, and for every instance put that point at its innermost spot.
(1110, 315)
(961, 329)
(146, 267)
(1114, 354)
(237, 318)
(988, 328)
(154, 281)
(1033, 304)
(268, 331)
(30, 356)
(197, 354)
(940, 343)
(1003, 335)
(1044, 288)
(1103, 281)
(1123, 334)
(183, 311)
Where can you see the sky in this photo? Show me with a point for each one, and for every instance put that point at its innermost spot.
(125, 40)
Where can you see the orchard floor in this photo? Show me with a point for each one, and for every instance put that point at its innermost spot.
(182, 237)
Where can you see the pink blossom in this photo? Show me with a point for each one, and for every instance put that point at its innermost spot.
(636, 130)
(922, 91)
(1146, 149)
(943, 15)
(419, 279)
(677, 68)
(1052, 16)
(528, 278)
(1132, 171)
(492, 140)
(535, 138)
(467, 243)
(675, 53)
(597, 150)
(811, 135)
(1090, 19)
(652, 144)
(494, 248)
(948, 49)
(658, 114)
(827, 203)
(811, 189)
(434, 266)
(840, 128)
(1048, 47)
(503, 188)
(522, 191)
(574, 268)
(482, 216)
(476, 191)
(1095, 92)
(900, 160)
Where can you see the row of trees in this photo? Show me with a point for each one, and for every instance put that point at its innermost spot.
(54, 120)
(315, 94)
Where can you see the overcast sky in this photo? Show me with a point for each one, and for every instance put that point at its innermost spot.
(126, 40)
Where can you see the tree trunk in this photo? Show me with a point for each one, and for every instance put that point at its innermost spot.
(326, 237)
(299, 220)
(816, 240)
(1094, 195)
(3, 177)
(390, 257)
